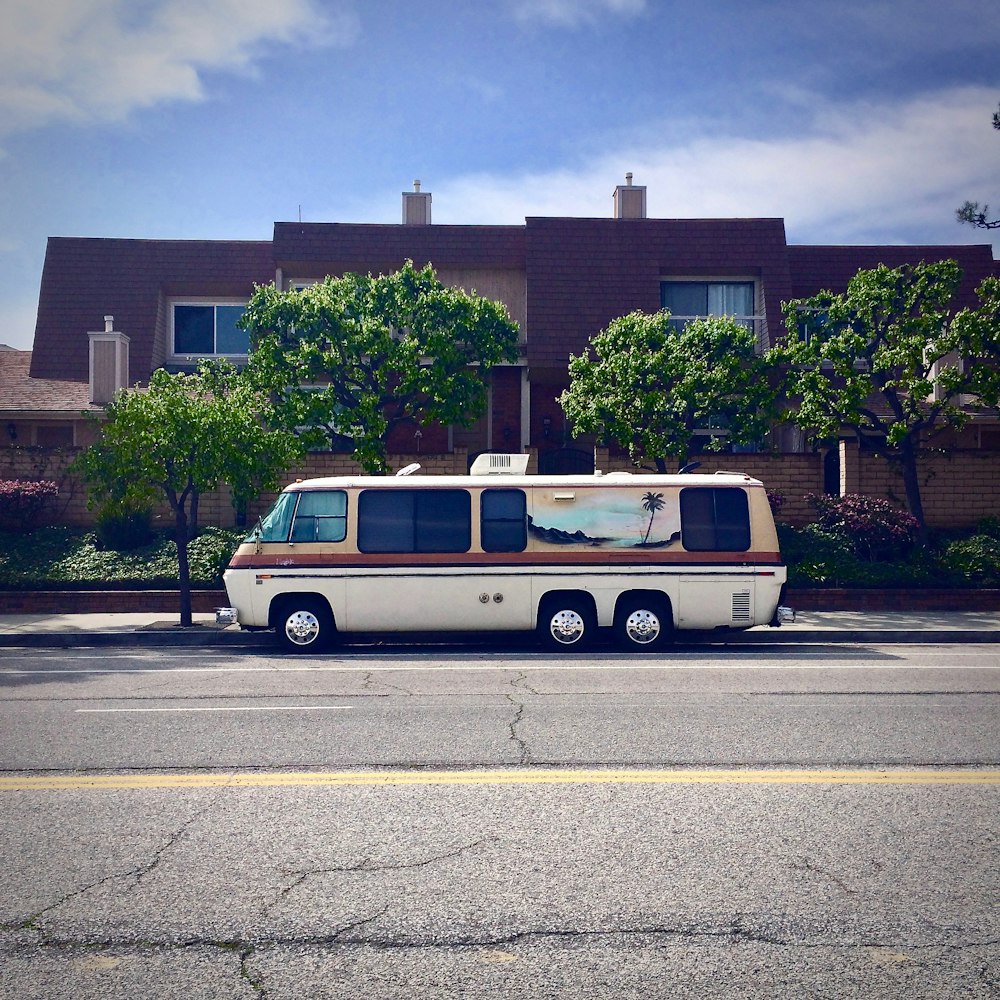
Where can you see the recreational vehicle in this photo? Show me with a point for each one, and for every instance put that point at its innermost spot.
(498, 550)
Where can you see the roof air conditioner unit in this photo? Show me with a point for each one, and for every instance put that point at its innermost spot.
(500, 465)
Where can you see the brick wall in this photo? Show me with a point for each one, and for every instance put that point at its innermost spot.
(959, 487)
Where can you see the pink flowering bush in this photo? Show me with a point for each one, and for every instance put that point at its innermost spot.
(872, 527)
(23, 502)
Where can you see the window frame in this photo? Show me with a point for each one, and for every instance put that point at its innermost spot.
(204, 301)
(420, 521)
(688, 495)
(485, 521)
(754, 319)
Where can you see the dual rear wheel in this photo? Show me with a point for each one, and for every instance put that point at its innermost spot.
(642, 623)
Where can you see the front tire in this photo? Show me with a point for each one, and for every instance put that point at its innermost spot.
(305, 625)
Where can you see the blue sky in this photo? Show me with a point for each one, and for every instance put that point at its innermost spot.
(856, 122)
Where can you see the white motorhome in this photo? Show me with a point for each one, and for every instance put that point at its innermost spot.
(498, 550)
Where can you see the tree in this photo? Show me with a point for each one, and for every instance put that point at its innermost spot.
(649, 386)
(970, 212)
(351, 358)
(182, 437)
(890, 361)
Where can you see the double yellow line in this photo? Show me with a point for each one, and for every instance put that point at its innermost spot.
(502, 776)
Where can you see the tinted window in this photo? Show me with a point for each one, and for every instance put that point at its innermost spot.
(321, 516)
(414, 521)
(503, 521)
(714, 520)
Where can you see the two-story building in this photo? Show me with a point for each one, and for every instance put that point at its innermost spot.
(111, 311)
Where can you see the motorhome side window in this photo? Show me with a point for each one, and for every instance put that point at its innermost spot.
(321, 516)
(714, 520)
(396, 520)
(503, 523)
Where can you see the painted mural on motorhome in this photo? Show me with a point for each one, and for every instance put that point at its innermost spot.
(611, 518)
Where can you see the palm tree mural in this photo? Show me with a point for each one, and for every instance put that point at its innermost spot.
(651, 502)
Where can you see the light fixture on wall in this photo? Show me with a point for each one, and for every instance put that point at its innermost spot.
(546, 426)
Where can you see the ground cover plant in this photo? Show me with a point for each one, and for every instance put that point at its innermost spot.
(68, 558)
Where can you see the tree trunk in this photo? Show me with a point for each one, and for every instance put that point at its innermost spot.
(183, 569)
(911, 481)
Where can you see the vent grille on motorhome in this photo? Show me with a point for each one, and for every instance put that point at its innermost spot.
(741, 607)
(499, 465)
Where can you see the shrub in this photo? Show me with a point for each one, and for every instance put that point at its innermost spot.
(873, 528)
(776, 501)
(974, 560)
(123, 530)
(23, 502)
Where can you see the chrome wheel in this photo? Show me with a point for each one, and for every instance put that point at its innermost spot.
(302, 628)
(567, 627)
(643, 627)
(304, 624)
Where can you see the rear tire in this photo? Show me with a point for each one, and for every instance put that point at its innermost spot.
(643, 625)
(567, 624)
(305, 625)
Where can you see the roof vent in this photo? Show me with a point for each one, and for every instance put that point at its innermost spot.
(499, 465)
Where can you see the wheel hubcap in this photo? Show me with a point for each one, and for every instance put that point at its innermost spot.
(302, 627)
(567, 627)
(642, 626)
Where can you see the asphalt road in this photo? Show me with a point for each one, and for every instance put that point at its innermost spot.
(801, 822)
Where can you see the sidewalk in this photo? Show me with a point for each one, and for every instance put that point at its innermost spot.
(150, 630)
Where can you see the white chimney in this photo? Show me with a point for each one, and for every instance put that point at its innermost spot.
(108, 362)
(630, 201)
(416, 206)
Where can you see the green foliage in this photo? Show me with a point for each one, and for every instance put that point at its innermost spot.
(649, 386)
(122, 529)
(893, 337)
(347, 360)
(66, 558)
(184, 436)
(975, 560)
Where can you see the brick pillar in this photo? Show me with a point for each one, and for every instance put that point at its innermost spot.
(850, 467)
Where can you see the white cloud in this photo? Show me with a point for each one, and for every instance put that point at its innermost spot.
(98, 60)
(573, 13)
(859, 173)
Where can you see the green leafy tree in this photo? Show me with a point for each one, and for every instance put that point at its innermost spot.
(970, 212)
(650, 386)
(891, 361)
(184, 436)
(353, 357)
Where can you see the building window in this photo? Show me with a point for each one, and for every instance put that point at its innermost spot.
(203, 329)
(414, 521)
(714, 520)
(54, 435)
(689, 300)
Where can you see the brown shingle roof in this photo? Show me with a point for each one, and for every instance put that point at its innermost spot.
(20, 393)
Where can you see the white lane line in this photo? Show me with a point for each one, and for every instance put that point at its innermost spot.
(223, 708)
